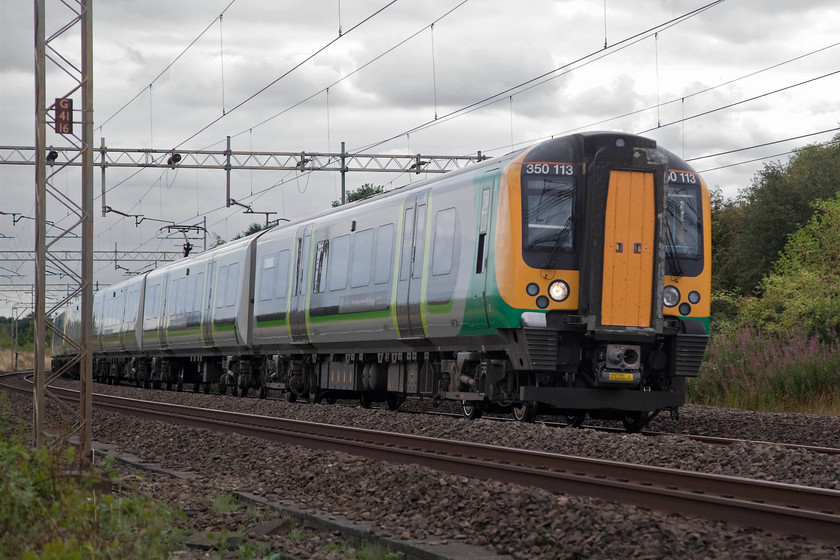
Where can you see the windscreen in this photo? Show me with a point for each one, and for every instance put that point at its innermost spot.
(684, 217)
(549, 213)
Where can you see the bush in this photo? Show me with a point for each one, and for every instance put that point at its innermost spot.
(46, 513)
(757, 371)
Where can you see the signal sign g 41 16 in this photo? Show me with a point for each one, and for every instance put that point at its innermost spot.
(64, 115)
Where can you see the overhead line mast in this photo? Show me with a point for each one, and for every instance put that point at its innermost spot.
(81, 154)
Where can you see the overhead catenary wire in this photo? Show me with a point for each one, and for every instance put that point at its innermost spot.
(510, 90)
(286, 73)
(284, 181)
(680, 99)
(742, 101)
(167, 67)
(351, 73)
(222, 59)
(823, 144)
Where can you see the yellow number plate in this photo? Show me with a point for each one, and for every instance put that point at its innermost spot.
(614, 376)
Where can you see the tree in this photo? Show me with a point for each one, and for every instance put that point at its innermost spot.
(216, 241)
(726, 222)
(252, 229)
(365, 191)
(779, 201)
(802, 292)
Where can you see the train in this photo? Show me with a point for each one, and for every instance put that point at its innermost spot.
(570, 278)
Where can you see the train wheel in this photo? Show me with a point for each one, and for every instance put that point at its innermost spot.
(471, 409)
(575, 420)
(525, 411)
(222, 388)
(394, 401)
(634, 421)
(263, 392)
(290, 395)
(206, 387)
(243, 391)
(365, 401)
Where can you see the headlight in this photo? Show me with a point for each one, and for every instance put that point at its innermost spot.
(670, 296)
(694, 297)
(558, 290)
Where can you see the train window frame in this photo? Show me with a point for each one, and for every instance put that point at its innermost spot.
(382, 261)
(198, 294)
(686, 262)
(360, 264)
(131, 305)
(221, 286)
(267, 279)
(339, 261)
(232, 284)
(319, 283)
(150, 305)
(284, 261)
(550, 256)
(189, 293)
(443, 241)
(175, 301)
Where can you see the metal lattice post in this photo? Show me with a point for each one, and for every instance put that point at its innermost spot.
(86, 365)
(64, 120)
(40, 219)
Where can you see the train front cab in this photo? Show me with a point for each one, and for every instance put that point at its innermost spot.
(610, 239)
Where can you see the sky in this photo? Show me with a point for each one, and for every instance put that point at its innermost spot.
(742, 81)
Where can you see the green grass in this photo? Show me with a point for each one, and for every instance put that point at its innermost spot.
(225, 503)
(776, 373)
(50, 515)
(364, 552)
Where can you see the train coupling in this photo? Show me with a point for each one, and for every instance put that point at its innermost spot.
(620, 364)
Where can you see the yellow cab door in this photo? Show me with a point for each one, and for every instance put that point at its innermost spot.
(628, 250)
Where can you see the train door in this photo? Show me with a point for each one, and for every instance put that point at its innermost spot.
(300, 293)
(629, 227)
(207, 315)
(163, 316)
(489, 185)
(412, 256)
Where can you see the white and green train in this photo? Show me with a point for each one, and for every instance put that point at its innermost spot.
(571, 277)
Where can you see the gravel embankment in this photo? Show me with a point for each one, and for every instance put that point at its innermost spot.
(410, 502)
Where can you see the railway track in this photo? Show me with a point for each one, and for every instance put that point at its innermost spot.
(813, 513)
(709, 440)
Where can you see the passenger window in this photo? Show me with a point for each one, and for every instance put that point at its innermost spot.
(151, 304)
(282, 285)
(221, 283)
(384, 250)
(198, 292)
(444, 242)
(267, 277)
(176, 298)
(339, 260)
(319, 283)
(131, 307)
(189, 293)
(362, 255)
(232, 285)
